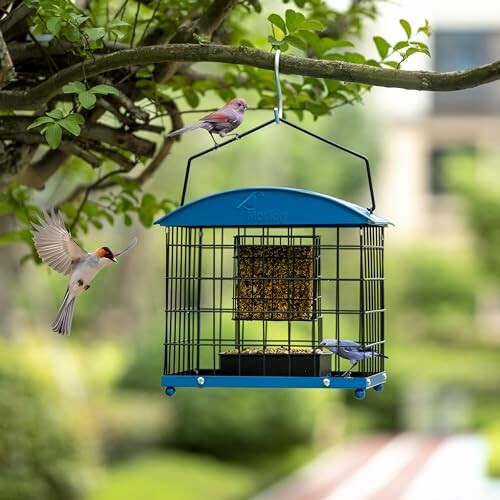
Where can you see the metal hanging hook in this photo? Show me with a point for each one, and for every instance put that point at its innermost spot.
(278, 112)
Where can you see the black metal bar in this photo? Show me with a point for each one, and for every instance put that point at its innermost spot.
(190, 297)
(184, 297)
(166, 361)
(212, 276)
(342, 148)
(337, 297)
(221, 290)
(362, 308)
(296, 127)
(382, 299)
(214, 148)
(198, 298)
(175, 294)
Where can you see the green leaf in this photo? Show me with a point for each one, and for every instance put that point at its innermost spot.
(311, 38)
(372, 62)
(328, 43)
(119, 34)
(312, 25)
(382, 45)
(87, 99)
(411, 51)
(355, 57)
(191, 97)
(117, 23)
(147, 210)
(72, 34)
(295, 41)
(78, 19)
(70, 125)
(53, 135)
(391, 64)
(54, 25)
(401, 45)
(425, 29)
(278, 21)
(127, 220)
(317, 108)
(406, 26)
(104, 89)
(77, 118)
(74, 88)
(97, 223)
(57, 114)
(40, 121)
(274, 42)
(293, 19)
(94, 34)
(421, 47)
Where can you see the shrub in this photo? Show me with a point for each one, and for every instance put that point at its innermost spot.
(39, 454)
(242, 424)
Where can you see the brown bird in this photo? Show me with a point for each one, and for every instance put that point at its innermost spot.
(221, 122)
(59, 250)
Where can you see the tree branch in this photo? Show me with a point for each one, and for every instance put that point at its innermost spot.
(150, 169)
(207, 23)
(35, 175)
(6, 66)
(166, 146)
(16, 22)
(333, 70)
(12, 126)
(26, 51)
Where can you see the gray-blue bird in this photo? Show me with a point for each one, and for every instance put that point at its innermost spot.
(348, 349)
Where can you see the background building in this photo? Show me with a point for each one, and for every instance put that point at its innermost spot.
(420, 130)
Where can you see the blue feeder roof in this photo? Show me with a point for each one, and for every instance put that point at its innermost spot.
(269, 206)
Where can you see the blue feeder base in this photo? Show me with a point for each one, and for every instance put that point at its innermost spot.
(359, 384)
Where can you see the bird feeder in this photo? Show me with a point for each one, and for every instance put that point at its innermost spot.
(257, 277)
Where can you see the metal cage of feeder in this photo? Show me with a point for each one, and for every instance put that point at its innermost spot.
(257, 277)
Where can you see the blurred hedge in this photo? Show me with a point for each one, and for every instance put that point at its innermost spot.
(40, 456)
(243, 423)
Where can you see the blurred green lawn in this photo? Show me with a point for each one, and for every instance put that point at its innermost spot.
(177, 476)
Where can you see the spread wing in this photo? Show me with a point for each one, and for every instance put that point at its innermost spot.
(132, 244)
(54, 243)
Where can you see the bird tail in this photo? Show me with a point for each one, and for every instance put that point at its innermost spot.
(64, 318)
(186, 129)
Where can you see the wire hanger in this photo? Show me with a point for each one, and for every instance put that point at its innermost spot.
(278, 118)
(278, 112)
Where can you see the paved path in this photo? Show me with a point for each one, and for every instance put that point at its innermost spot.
(394, 467)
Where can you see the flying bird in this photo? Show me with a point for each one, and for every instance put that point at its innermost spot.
(348, 349)
(221, 122)
(56, 247)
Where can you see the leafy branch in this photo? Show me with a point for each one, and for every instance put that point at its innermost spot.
(53, 122)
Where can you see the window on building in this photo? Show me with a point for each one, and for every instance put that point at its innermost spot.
(447, 164)
(459, 50)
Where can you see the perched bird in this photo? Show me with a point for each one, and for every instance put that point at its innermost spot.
(348, 349)
(221, 122)
(58, 249)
